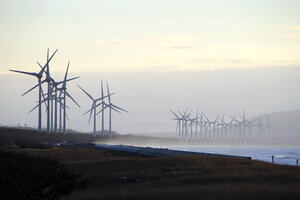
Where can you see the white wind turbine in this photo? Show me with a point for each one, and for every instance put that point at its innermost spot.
(268, 126)
(39, 77)
(178, 126)
(237, 124)
(223, 125)
(210, 129)
(184, 124)
(196, 124)
(260, 125)
(250, 124)
(202, 125)
(192, 122)
(244, 123)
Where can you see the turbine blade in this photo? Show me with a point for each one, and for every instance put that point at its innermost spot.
(114, 109)
(48, 60)
(89, 109)
(102, 109)
(183, 116)
(205, 117)
(72, 99)
(43, 97)
(66, 74)
(30, 89)
(86, 93)
(90, 115)
(108, 92)
(70, 79)
(235, 120)
(174, 113)
(104, 97)
(177, 126)
(48, 70)
(22, 72)
(102, 89)
(216, 118)
(118, 107)
(33, 108)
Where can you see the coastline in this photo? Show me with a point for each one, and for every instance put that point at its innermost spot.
(151, 151)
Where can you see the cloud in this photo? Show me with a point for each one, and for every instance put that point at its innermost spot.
(277, 27)
(110, 42)
(218, 61)
(168, 42)
(239, 63)
(183, 47)
(283, 36)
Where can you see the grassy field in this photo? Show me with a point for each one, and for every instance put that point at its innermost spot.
(121, 175)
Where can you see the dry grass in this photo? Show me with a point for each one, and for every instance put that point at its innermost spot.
(189, 177)
(172, 177)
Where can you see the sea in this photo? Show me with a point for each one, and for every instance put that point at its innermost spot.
(282, 155)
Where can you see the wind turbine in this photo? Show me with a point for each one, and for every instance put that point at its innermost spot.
(230, 124)
(260, 125)
(111, 106)
(202, 124)
(56, 99)
(196, 124)
(237, 124)
(63, 90)
(39, 76)
(206, 128)
(192, 121)
(178, 126)
(93, 108)
(244, 123)
(211, 123)
(268, 125)
(184, 125)
(186, 119)
(250, 124)
(223, 126)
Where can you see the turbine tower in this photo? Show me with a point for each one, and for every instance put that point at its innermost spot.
(102, 108)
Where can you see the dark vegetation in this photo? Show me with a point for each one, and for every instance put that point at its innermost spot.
(26, 177)
(9, 137)
(186, 177)
(13, 137)
(122, 175)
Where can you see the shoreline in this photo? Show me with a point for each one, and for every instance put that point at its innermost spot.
(151, 151)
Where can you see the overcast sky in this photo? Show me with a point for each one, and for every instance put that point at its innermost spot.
(219, 55)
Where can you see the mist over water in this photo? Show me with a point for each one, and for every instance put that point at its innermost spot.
(283, 155)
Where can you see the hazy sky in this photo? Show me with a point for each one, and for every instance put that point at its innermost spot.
(221, 54)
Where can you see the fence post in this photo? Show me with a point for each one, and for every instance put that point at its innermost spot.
(273, 159)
